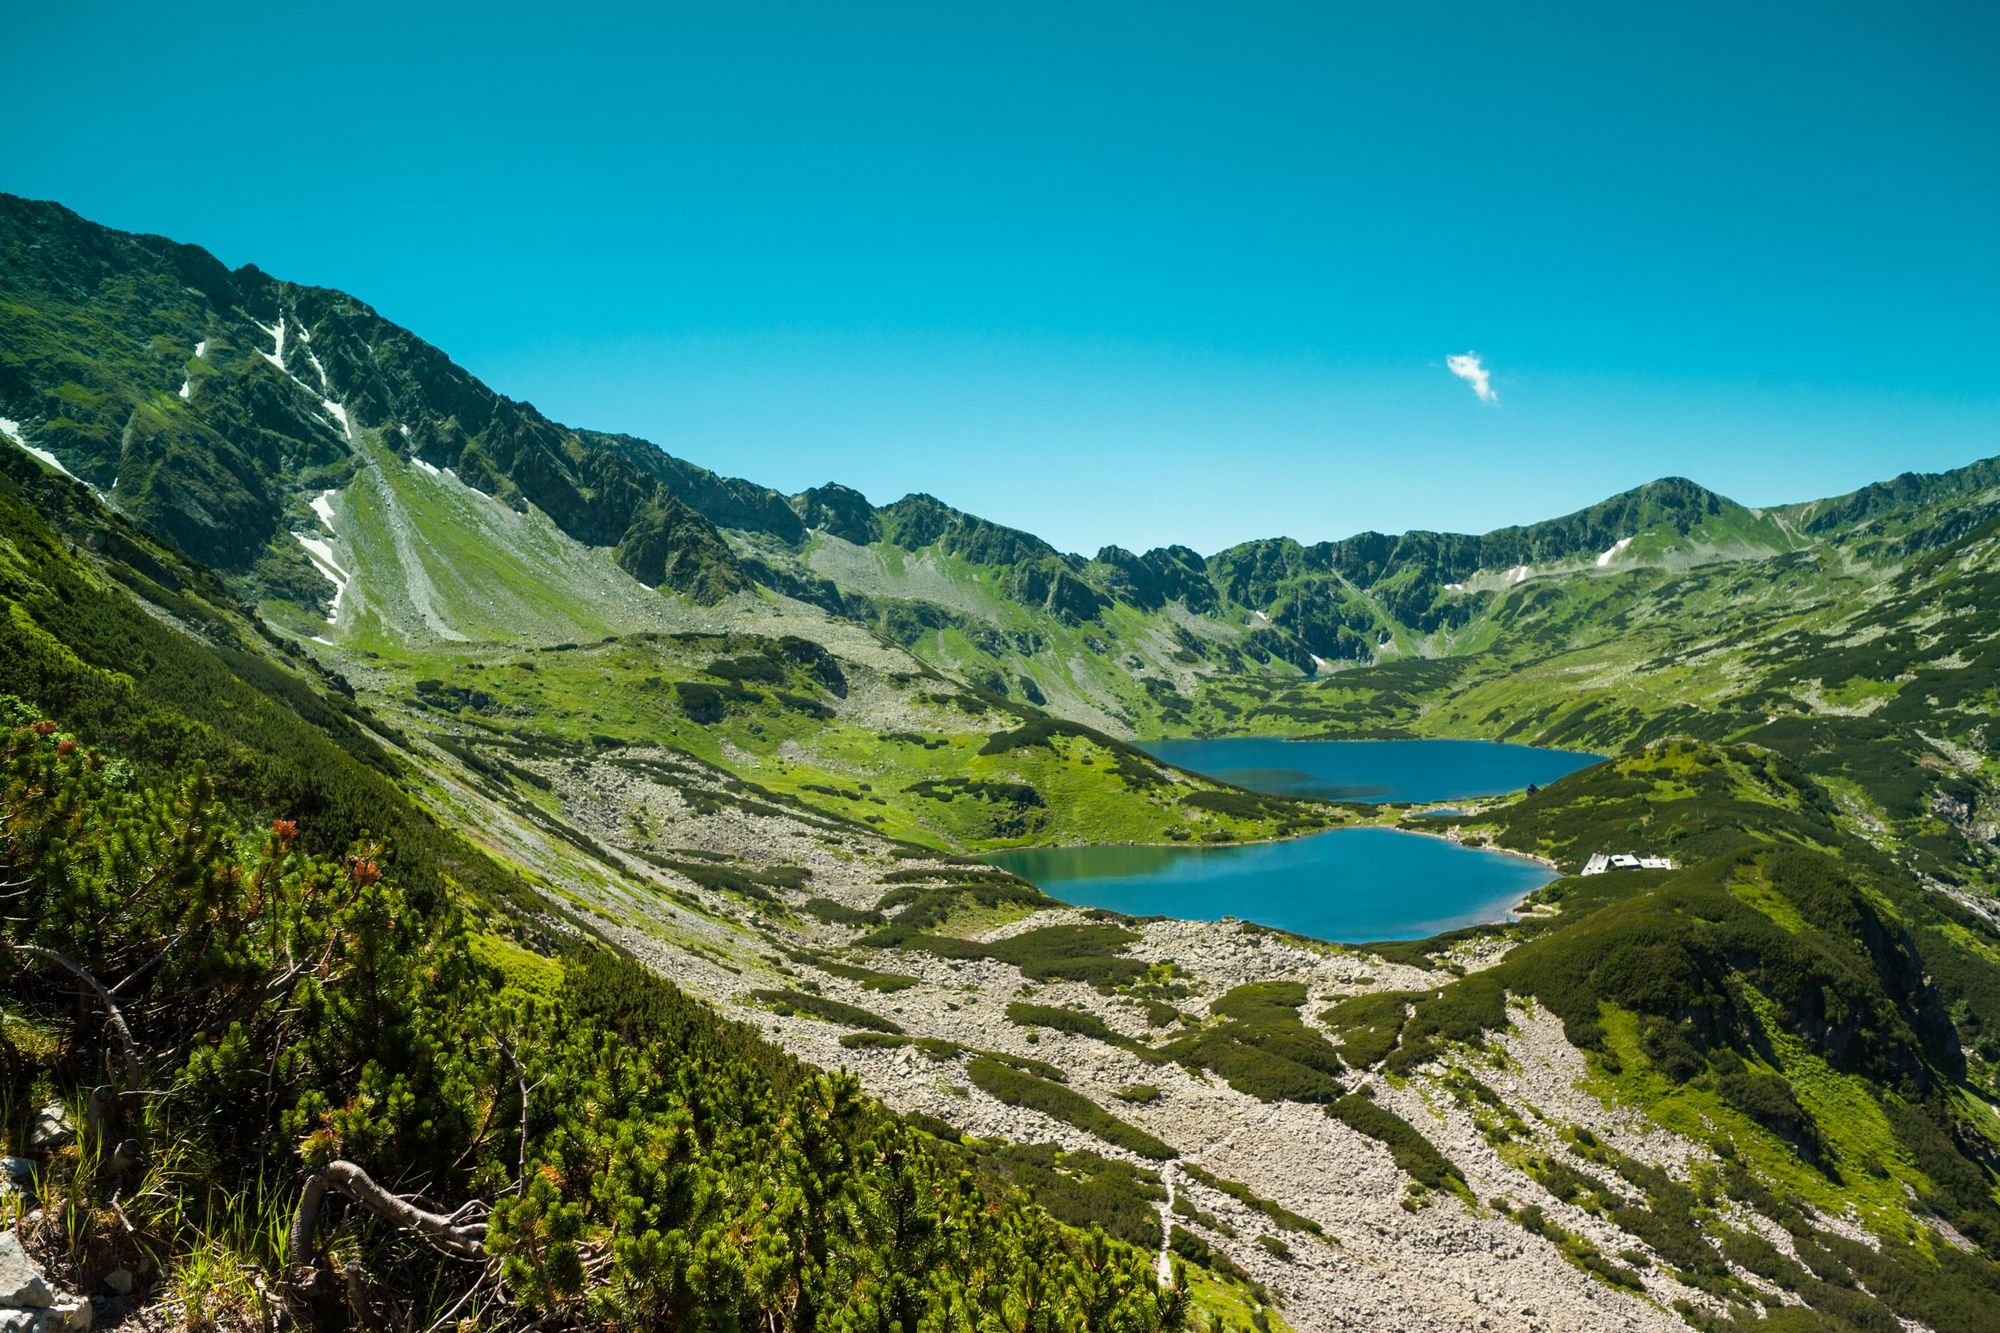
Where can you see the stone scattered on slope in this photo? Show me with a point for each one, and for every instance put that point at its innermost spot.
(51, 1129)
(21, 1282)
(17, 1175)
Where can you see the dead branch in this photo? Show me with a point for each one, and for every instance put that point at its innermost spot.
(463, 1240)
(111, 1011)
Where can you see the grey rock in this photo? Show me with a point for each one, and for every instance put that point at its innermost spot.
(119, 1281)
(74, 1317)
(21, 1321)
(18, 1170)
(21, 1283)
(51, 1129)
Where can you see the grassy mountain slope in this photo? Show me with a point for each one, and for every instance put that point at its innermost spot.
(195, 816)
(1788, 996)
(211, 404)
(399, 508)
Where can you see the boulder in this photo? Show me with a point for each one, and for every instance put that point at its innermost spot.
(72, 1317)
(51, 1129)
(21, 1283)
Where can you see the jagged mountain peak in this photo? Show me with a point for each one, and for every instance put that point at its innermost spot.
(840, 510)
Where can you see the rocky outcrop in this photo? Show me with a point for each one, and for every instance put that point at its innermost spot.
(28, 1302)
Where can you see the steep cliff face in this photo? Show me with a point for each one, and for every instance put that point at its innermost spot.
(208, 403)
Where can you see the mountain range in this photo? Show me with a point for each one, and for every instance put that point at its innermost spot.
(598, 699)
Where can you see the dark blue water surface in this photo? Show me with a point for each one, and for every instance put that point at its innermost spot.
(1372, 771)
(1346, 885)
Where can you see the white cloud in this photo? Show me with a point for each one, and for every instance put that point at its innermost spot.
(1468, 368)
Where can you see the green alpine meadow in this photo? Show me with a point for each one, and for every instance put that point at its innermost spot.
(507, 822)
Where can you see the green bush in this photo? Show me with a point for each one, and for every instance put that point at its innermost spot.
(396, 1049)
(873, 1041)
(840, 914)
(819, 1006)
(1261, 1047)
(1083, 1024)
(1018, 1088)
(1088, 952)
(1083, 1189)
(1414, 1154)
(1367, 1027)
(1284, 1218)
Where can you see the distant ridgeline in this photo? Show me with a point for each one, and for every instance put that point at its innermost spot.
(210, 403)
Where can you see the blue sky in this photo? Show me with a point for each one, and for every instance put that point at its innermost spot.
(1114, 273)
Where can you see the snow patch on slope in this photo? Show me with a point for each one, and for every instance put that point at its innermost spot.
(428, 469)
(187, 381)
(321, 554)
(470, 487)
(12, 430)
(277, 332)
(305, 336)
(1612, 554)
(339, 414)
(1518, 574)
(321, 551)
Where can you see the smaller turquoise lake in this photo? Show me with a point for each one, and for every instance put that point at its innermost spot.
(1348, 885)
(1345, 885)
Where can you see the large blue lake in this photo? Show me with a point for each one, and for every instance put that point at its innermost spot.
(1346, 885)
(1372, 771)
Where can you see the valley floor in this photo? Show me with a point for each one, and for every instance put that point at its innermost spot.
(1388, 1253)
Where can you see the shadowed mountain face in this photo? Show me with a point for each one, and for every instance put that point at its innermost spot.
(207, 404)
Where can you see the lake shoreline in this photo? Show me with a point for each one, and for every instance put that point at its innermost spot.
(1517, 911)
(1413, 771)
(1542, 861)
